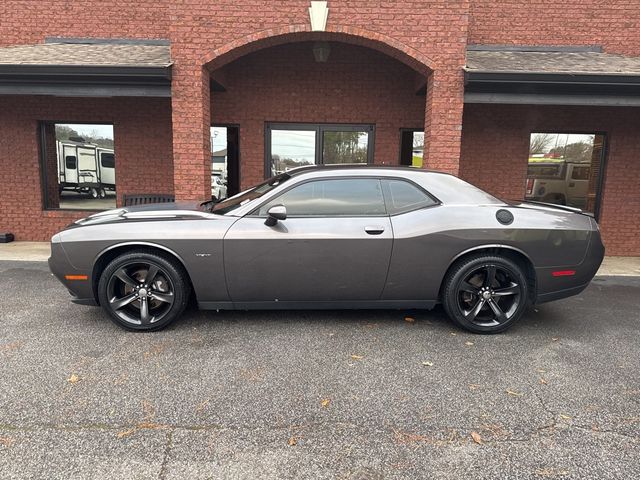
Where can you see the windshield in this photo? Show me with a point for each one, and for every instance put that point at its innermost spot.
(242, 198)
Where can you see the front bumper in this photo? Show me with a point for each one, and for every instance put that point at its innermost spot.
(60, 266)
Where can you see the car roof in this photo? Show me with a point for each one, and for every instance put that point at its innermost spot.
(446, 187)
(358, 167)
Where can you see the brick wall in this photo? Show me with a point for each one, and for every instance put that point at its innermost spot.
(612, 24)
(495, 147)
(285, 84)
(433, 31)
(142, 133)
(30, 21)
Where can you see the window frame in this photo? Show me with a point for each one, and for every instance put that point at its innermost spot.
(319, 129)
(42, 161)
(254, 211)
(603, 160)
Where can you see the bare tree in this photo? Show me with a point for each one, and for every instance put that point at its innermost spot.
(540, 142)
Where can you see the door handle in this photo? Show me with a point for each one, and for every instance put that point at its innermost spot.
(572, 184)
(374, 230)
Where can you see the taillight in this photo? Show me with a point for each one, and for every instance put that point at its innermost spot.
(529, 186)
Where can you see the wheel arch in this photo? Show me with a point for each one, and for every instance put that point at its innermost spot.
(113, 251)
(512, 253)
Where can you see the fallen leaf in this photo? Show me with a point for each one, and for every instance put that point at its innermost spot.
(73, 378)
(565, 417)
(292, 441)
(476, 438)
(6, 441)
(555, 339)
(515, 394)
(542, 381)
(473, 386)
(428, 364)
(325, 403)
(541, 370)
(468, 344)
(357, 357)
(409, 319)
(453, 334)
(126, 433)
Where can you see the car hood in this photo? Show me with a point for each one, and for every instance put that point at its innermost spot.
(151, 211)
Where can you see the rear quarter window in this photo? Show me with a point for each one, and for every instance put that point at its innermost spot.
(402, 196)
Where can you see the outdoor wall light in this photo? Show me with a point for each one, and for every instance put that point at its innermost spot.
(321, 51)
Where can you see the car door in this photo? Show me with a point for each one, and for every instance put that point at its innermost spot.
(334, 245)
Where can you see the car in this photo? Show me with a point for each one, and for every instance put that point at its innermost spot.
(564, 183)
(330, 237)
(218, 187)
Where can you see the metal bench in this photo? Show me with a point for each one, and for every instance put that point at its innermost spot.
(145, 198)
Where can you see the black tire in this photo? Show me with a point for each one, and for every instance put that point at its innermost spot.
(123, 291)
(474, 299)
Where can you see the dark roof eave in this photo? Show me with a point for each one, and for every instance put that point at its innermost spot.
(99, 71)
(576, 78)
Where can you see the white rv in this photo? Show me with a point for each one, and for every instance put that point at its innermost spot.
(85, 167)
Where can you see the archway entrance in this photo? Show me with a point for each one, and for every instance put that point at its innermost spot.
(316, 102)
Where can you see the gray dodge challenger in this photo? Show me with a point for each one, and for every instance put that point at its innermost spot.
(333, 237)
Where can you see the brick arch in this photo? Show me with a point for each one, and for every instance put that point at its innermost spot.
(302, 32)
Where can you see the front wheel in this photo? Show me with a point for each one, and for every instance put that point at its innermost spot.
(485, 293)
(143, 291)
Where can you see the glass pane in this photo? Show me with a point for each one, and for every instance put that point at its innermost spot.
(418, 149)
(403, 196)
(80, 166)
(357, 197)
(219, 162)
(564, 168)
(291, 149)
(344, 147)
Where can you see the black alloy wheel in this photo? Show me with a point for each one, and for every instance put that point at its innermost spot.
(143, 291)
(485, 294)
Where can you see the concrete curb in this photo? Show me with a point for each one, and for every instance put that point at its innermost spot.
(40, 252)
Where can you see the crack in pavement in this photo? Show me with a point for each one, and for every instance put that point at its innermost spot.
(165, 458)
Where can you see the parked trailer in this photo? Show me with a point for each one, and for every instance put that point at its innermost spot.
(85, 168)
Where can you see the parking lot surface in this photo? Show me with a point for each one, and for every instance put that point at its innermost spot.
(317, 394)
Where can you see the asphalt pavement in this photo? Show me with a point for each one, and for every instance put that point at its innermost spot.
(317, 394)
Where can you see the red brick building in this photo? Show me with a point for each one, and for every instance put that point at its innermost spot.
(506, 93)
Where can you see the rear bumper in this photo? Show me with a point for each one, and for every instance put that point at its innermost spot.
(552, 287)
(559, 294)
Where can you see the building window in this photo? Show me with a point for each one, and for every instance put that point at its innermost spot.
(290, 145)
(566, 169)
(78, 166)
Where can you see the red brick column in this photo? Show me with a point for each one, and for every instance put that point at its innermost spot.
(443, 120)
(191, 132)
(51, 166)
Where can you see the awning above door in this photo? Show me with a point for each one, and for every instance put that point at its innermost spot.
(81, 67)
(551, 76)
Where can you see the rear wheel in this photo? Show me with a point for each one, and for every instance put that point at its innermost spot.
(485, 293)
(143, 291)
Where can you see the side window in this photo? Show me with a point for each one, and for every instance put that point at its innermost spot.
(404, 196)
(107, 160)
(355, 197)
(580, 173)
(70, 162)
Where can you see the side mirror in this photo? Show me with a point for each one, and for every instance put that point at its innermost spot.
(275, 213)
